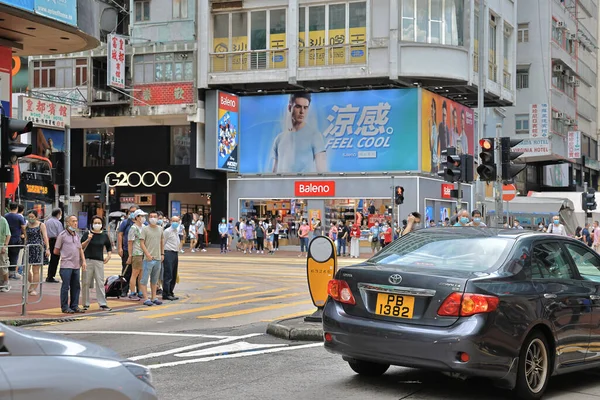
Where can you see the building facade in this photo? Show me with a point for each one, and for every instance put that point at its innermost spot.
(556, 109)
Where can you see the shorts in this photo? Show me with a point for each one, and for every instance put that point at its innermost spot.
(244, 240)
(137, 262)
(376, 245)
(4, 263)
(152, 271)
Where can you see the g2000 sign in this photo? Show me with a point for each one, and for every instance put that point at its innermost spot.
(135, 179)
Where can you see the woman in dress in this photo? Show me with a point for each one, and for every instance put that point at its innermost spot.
(37, 243)
(93, 244)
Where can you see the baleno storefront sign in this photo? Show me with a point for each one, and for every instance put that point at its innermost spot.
(314, 188)
(135, 179)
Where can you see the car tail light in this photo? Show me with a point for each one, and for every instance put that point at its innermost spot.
(340, 291)
(464, 305)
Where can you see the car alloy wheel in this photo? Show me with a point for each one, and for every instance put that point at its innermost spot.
(368, 368)
(534, 367)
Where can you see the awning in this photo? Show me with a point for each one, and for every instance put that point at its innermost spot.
(532, 205)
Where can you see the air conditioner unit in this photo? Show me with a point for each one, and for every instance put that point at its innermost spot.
(101, 95)
(113, 96)
(568, 122)
(571, 36)
(558, 115)
(577, 83)
(561, 25)
(572, 79)
(557, 68)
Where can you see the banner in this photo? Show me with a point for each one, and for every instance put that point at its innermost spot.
(116, 61)
(444, 123)
(364, 131)
(24, 4)
(539, 120)
(62, 10)
(228, 126)
(574, 144)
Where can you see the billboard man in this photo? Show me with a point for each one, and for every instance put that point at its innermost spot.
(301, 148)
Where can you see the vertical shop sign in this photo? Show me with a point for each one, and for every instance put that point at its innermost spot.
(574, 144)
(6, 79)
(228, 131)
(175, 208)
(116, 61)
(539, 120)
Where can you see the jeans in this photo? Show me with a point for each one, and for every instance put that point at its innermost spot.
(201, 245)
(341, 245)
(54, 259)
(303, 244)
(260, 244)
(276, 241)
(70, 284)
(171, 265)
(224, 242)
(13, 256)
(151, 270)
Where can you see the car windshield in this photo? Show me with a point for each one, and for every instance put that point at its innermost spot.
(445, 251)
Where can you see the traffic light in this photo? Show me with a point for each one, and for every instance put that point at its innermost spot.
(452, 168)
(10, 129)
(101, 197)
(112, 195)
(510, 170)
(487, 161)
(399, 195)
(466, 168)
(588, 200)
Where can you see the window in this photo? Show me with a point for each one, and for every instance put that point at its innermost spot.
(142, 11)
(523, 33)
(493, 38)
(522, 123)
(507, 76)
(523, 78)
(99, 147)
(433, 21)
(44, 74)
(180, 145)
(81, 72)
(180, 9)
(549, 262)
(163, 67)
(586, 261)
(557, 33)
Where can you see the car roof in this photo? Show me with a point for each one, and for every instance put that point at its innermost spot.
(473, 232)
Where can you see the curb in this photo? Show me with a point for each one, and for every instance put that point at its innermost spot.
(312, 334)
(29, 321)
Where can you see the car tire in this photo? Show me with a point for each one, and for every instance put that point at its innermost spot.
(534, 367)
(367, 368)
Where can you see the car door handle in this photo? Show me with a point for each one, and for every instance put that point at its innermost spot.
(594, 297)
(549, 296)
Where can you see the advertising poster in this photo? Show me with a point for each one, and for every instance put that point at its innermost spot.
(49, 141)
(63, 10)
(444, 123)
(228, 126)
(366, 131)
(313, 216)
(444, 213)
(24, 4)
(175, 208)
(428, 215)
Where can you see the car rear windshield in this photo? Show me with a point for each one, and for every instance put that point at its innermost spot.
(444, 251)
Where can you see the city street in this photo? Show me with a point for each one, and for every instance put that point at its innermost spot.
(211, 344)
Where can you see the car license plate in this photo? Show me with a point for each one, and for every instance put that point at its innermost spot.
(395, 305)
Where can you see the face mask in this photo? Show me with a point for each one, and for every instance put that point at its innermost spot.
(556, 222)
(269, 225)
(143, 219)
(477, 220)
(97, 227)
(160, 222)
(201, 218)
(464, 220)
(376, 225)
(223, 221)
(303, 223)
(71, 229)
(153, 221)
(175, 225)
(131, 216)
(31, 220)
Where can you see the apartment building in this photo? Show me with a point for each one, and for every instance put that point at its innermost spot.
(557, 49)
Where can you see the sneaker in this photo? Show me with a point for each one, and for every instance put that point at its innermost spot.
(5, 288)
(15, 276)
(193, 250)
(148, 303)
(86, 307)
(134, 297)
(204, 250)
(78, 310)
(262, 252)
(182, 251)
(51, 280)
(69, 311)
(157, 302)
(105, 308)
(140, 295)
(33, 293)
(159, 291)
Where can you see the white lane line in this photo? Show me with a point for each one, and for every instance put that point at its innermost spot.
(193, 335)
(192, 346)
(228, 349)
(237, 355)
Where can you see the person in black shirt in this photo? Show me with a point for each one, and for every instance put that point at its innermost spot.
(93, 243)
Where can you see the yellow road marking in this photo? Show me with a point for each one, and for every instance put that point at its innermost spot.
(210, 287)
(237, 296)
(236, 289)
(223, 305)
(253, 310)
(298, 314)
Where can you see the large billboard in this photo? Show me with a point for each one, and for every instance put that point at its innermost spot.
(362, 131)
(60, 10)
(24, 4)
(222, 133)
(444, 123)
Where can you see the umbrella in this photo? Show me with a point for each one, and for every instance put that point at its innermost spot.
(116, 214)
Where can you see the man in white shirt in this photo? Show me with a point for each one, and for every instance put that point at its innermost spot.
(171, 263)
(556, 227)
(200, 232)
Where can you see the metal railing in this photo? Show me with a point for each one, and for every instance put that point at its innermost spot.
(23, 260)
(335, 54)
(507, 80)
(237, 61)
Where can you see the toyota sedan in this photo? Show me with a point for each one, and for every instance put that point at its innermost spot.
(514, 306)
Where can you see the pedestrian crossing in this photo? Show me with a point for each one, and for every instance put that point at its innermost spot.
(214, 287)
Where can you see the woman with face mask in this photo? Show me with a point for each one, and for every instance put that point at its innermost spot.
(223, 235)
(38, 246)
(270, 235)
(93, 244)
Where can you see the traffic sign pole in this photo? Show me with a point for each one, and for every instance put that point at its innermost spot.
(498, 183)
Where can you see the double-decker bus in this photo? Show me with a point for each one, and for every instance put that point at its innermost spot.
(33, 185)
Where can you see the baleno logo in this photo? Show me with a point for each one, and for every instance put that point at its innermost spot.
(310, 188)
(227, 101)
(314, 188)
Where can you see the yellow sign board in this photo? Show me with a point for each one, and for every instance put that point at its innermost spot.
(278, 58)
(337, 53)
(321, 266)
(219, 62)
(316, 56)
(358, 53)
(240, 61)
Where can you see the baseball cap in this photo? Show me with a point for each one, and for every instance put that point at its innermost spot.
(139, 212)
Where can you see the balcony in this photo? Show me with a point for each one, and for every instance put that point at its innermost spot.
(242, 61)
(336, 54)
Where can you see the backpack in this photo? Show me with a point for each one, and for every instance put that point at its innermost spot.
(116, 286)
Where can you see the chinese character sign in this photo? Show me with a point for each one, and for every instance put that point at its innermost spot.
(444, 123)
(363, 131)
(574, 144)
(116, 61)
(44, 113)
(539, 120)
